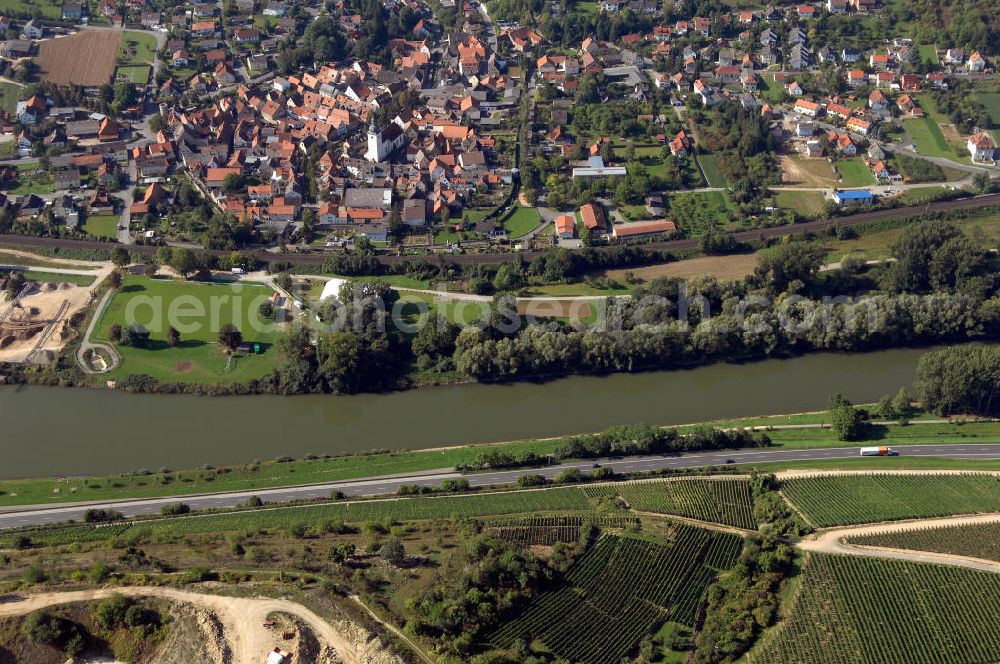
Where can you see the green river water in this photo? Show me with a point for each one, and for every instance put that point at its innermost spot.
(54, 431)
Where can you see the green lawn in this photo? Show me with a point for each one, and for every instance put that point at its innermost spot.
(136, 74)
(710, 165)
(771, 92)
(522, 221)
(854, 173)
(102, 225)
(77, 279)
(927, 137)
(474, 215)
(991, 100)
(919, 195)
(806, 203)
(51, 9)
(198, 311)
(143, 48)
(928, 53)
(30, 180)
(10, 93)
(458, 312)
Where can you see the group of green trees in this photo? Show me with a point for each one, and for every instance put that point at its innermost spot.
(961, 379)
(621, 441)
(745, 601)
(457, 610)
(115, 625)
(973, 24)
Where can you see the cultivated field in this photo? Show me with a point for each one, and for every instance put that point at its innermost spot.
(315, 517)
(877, 611)
(735, 266)
(840, 500)
(620, 590)
(981, 540)
(85, 58)
(725, 501)
(547, 530)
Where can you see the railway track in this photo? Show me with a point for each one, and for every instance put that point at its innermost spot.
(987, 200)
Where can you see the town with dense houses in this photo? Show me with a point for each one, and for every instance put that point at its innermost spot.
(430, 128)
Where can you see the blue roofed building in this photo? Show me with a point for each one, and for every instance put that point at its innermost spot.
(854, 197)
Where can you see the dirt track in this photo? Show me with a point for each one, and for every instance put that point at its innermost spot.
(241, 618)
(831, 541)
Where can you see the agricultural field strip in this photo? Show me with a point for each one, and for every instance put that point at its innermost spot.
(480, 504)
(974, 537)
(620, 589)
(547, 530)
(722, 500)
(875, 611)
(840, 500)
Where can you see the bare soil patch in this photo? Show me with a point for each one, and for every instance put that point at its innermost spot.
(86, 58)
(183, 367)
(555, 308)
(731, 267)
(807, 172)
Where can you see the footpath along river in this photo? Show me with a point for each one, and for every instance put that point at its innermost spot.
(55, 431)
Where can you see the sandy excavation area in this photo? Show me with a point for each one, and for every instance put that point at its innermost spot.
(232, 630)
(47, 305)
(43, 313)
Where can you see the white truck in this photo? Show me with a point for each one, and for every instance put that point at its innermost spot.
(878, 451)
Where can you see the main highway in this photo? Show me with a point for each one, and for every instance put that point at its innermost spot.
(36, 515)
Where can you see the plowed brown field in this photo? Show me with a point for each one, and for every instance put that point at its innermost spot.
(86, 58)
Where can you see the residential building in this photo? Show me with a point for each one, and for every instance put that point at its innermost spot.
(982, 147)
(565, 226)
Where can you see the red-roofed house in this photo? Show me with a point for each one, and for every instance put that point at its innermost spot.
(565, 226)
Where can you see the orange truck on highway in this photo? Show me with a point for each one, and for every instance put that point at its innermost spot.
(878, 451)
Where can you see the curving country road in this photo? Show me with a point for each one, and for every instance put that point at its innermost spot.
(837, 540)
(33, 515)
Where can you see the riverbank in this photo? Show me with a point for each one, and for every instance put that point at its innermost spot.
(801, 431)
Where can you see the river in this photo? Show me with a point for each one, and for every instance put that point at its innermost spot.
(56, 431)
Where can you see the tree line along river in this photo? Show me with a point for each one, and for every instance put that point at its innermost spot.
(56, 431)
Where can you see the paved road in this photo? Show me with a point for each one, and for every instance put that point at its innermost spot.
(88, 344)
(29, 515)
